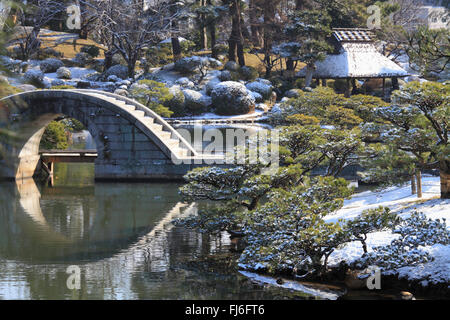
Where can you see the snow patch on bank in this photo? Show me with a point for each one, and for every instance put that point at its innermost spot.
(292, 285)
(399, 200)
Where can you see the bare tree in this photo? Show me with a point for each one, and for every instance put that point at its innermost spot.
(128, 29)
(32, 16)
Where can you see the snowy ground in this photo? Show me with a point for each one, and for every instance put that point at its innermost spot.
(400, 200)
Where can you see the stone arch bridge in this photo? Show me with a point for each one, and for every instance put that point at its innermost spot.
(133, 143)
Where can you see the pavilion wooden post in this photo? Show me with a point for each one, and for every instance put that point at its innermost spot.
(384, 88)
(324, 82)
(413, 185)
(395, 85)
(347, 89)
(419, 183)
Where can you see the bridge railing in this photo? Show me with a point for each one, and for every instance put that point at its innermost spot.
(148, 112)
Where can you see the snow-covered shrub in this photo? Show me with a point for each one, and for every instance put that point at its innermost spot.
(189, 65)
(11, 64)
(293, 93)
(26, 87)
(414, 232)
(225, 75)
(50, 65)
(195, 101)
(289, 232)
(34, 77)
(257, 96)
(220, 48)
(185, 82)
(63, 73)
(176, 104)
(232, 66)
(117, 70)
(248, 73)
(91, 50)
(231, 98)
(113, 78)
(121, 92)
(262, 88)
(82, 59)
(4, 80)
(371, 220)
(211, 84)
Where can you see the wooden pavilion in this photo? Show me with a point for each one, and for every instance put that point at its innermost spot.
(355, 57)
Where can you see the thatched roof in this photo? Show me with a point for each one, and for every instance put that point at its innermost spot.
(355, 57)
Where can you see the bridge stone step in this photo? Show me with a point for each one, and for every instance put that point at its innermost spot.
(165, 135)
(138, 113)
(174, 143)
(156, 127)
(148, 120)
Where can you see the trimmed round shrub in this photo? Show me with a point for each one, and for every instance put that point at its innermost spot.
(232, 66)
(50, 65)
(248, 73)
(264, 89)
(63, 73)
(117, 70)
(34, 77)
(195, 101)
(91, 50)
(231, 98)
(176, 103)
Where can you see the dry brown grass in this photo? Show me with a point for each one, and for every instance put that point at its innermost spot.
(71, 47)
(68, 48)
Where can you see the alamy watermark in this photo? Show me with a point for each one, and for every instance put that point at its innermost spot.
(74, 280)
(374, 280)
(413, 13)
(231, 147)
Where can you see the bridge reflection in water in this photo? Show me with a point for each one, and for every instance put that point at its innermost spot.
(114, 232)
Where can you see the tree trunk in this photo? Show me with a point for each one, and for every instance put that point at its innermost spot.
(176, 49)
(232, 49)
(203, 31)
(212, 35)
(108, 60)
(290, 64)
(131, 67)
(347, 89)
(444, 169)
(254, 24)
(309, 74)
(419, 183)
(299, 4)
(236, 40)
(269, 22)
(203, 39)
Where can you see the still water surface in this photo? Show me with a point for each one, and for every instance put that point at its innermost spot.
(121, 237)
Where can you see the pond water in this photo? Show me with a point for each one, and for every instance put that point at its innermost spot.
(120, 237)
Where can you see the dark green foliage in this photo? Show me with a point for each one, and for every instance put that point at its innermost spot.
(91, 50)
(54, 137)
(153, 95)
(371, 220)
